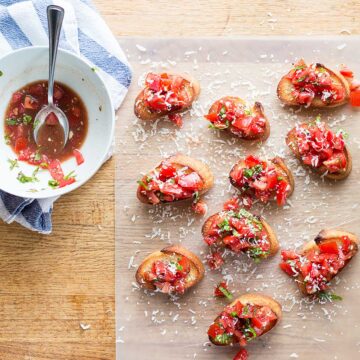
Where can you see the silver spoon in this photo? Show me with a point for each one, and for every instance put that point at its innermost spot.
(55, 16)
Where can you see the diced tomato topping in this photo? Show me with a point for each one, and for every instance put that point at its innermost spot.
(231, 113)
(191, 181)
(318, 266)
(215, 260)
(242, 355)
(56, 170)
(176, 119)
(329, 247)
(319, 146)
(259, 179)
(215, 330)
(78, 156)
(355, 97)
(16, 98)
(167, 171)
(58, 92)
(314, 80)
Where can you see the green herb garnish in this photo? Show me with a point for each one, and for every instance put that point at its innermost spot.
(70, 175)
(142, 184)
(27, 119)
(13, 163)
(226, 292)
(344, 134)
(26, 179)
(11, 121)
(53, 183)
(222, 338)
(326, 296)
(7, 139)
(224, 225)
(196, 197)
(248, 173)
(222, 112)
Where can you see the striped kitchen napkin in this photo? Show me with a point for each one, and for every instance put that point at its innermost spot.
(24, 23)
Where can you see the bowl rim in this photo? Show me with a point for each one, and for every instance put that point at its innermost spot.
(67, 189)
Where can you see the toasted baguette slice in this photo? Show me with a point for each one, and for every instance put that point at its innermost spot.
(285, 89)
(257, 109)
(198, 166)
(271, 236)
(191, 87)
(254, 299)
(323, 237)
(280, 167)
(292, 143)
(195, 275)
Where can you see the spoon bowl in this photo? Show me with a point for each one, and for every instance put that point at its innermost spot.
(51, 124)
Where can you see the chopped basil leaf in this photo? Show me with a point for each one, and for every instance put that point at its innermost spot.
(7, 139)
(248, 173)
(344, 134)
(70, 175)
(142, 184)
(196, 197)
(258, 168)
(234, 314)
(226, 292)
(326, 296)
(1, 73)
(222, 112)
(257, 253)
(222, 338)
(53, 183)
(280, 178)
(27, 179)
(247, 112)
(36, 123)
(179, 267)
(299, 67)
(13, 163)
(37, 156)
(224, 225)
(27, 119)
(11, 121)
(148, 178)
(93, 69)
(250, 332)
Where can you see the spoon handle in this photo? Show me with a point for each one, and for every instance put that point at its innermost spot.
(55, 16)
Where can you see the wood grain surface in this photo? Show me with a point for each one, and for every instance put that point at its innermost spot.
(51, 284)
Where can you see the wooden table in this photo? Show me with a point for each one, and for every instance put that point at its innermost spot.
(52, 284)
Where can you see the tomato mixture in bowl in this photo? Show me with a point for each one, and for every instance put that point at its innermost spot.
(314, 80)
(169, 276)
(19, 126)
(318, 266)
(241, 323)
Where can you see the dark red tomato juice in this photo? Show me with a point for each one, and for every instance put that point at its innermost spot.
(20, 115)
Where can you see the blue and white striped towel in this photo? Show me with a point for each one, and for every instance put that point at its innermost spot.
(24, 23)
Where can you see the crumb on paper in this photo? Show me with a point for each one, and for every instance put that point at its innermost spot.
(85, 326)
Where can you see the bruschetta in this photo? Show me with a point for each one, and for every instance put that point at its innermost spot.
(172, 270)
(241, 232)
(263, 179)
(313, 85)
(166, 95)
(248, 317)
(233, 114)
(316, 146)
(320, 260)
(178, 177)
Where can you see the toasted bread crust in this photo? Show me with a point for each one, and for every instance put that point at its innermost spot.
(258, 109)
(280, 167)
(144, 113)
(198, 166)
(274, 243)
(323, 237)
(196, 273)
(291, 142)
(256, 299)
(285, 88)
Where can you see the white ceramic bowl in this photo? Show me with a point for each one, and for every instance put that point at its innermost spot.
(31, 64)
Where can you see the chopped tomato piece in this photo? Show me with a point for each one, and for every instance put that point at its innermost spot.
(78, 156)
(345, 71)
(192, 181)
(355, 97)
(215, 260)
(21, 144)
(242, 355)
(16, 98)
(56, 170)
(167, 171)
(232, 204)
(200, 207)
(329, 247)
(215, 330)
(176, 119)
(52, 119)
(58, 92)
(30, 102)
(281, 193)
(287, 268)
(221, 290)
